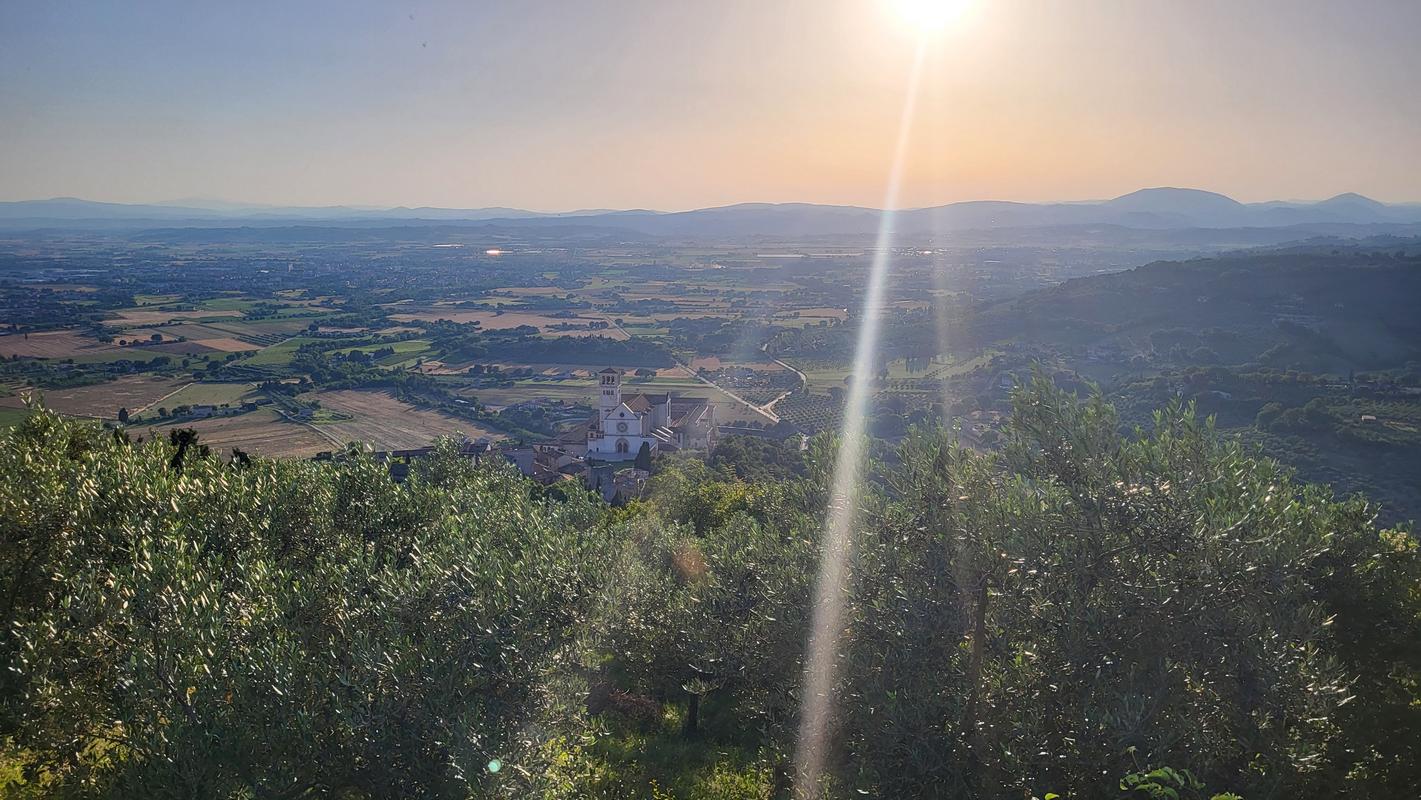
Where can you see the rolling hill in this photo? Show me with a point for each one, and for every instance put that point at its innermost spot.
(1153, 209)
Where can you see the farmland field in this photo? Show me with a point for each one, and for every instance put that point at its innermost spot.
(406, 350)
(51, 344)
(145, 316)
(278, 354)
(188, 348)
(103, 400)
(491, 320)
(226, 345)
(108, 355)
(214, 394)
(388, 423)
(260, 432)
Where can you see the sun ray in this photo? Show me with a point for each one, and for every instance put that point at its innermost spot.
(826, 621)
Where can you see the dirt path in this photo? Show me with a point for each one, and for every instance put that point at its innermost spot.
(803, 382)
(165, 397)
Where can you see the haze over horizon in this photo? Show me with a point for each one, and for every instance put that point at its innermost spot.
(551, 105)
(220, 204)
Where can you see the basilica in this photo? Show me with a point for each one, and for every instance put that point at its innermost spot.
(663, 422)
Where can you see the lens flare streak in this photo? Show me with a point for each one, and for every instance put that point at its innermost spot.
(826, 621)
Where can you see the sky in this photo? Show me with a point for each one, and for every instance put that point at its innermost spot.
(676, 104)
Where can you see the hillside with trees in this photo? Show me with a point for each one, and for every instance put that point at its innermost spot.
(1309, 352)
(1312, 308)
(1080, 615)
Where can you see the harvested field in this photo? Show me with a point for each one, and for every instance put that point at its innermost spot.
(190, 330)
(388, 423)
(567, 391)
(145, 335)
(226, 345)
(259, 330)
(103, 400)
(51, 344)
(260, 432)
(182, 348)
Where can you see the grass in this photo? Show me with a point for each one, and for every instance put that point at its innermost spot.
(278, 355)
(823, 374)
(227, 304)
(657, 761)
(323, 417)
(120, 354)
(305, 313)
(405, 351)
(214, 394)
(155, 299)
(10, 417)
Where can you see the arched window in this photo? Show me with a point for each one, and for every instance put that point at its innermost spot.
(623, 446)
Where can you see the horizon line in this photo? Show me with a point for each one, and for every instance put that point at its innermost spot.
(255, 207)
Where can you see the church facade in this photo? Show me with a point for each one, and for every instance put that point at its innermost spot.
(623, 423)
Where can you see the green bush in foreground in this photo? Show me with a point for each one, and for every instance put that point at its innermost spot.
(1059, 618)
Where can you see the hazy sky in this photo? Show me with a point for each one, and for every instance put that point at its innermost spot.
(560, 104)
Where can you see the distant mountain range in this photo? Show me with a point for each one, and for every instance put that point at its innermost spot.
(1147, 209)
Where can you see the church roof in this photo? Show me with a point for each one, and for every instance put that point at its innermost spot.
(645, 402)
(685, 411)
(682, 405)
(610, 371)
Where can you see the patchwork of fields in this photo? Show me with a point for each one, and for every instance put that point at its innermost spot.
(222, 349)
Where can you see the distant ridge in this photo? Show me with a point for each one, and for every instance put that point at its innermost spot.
(1351, 200)
(1159, 208)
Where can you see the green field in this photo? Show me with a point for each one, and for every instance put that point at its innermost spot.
(10, 417)
(227, 304)
(120, 354)
(405, 352)
(278, 355)
(213, 394)
(155, 299)
(822, 375)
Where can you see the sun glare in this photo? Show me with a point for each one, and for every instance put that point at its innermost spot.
(929, 16)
